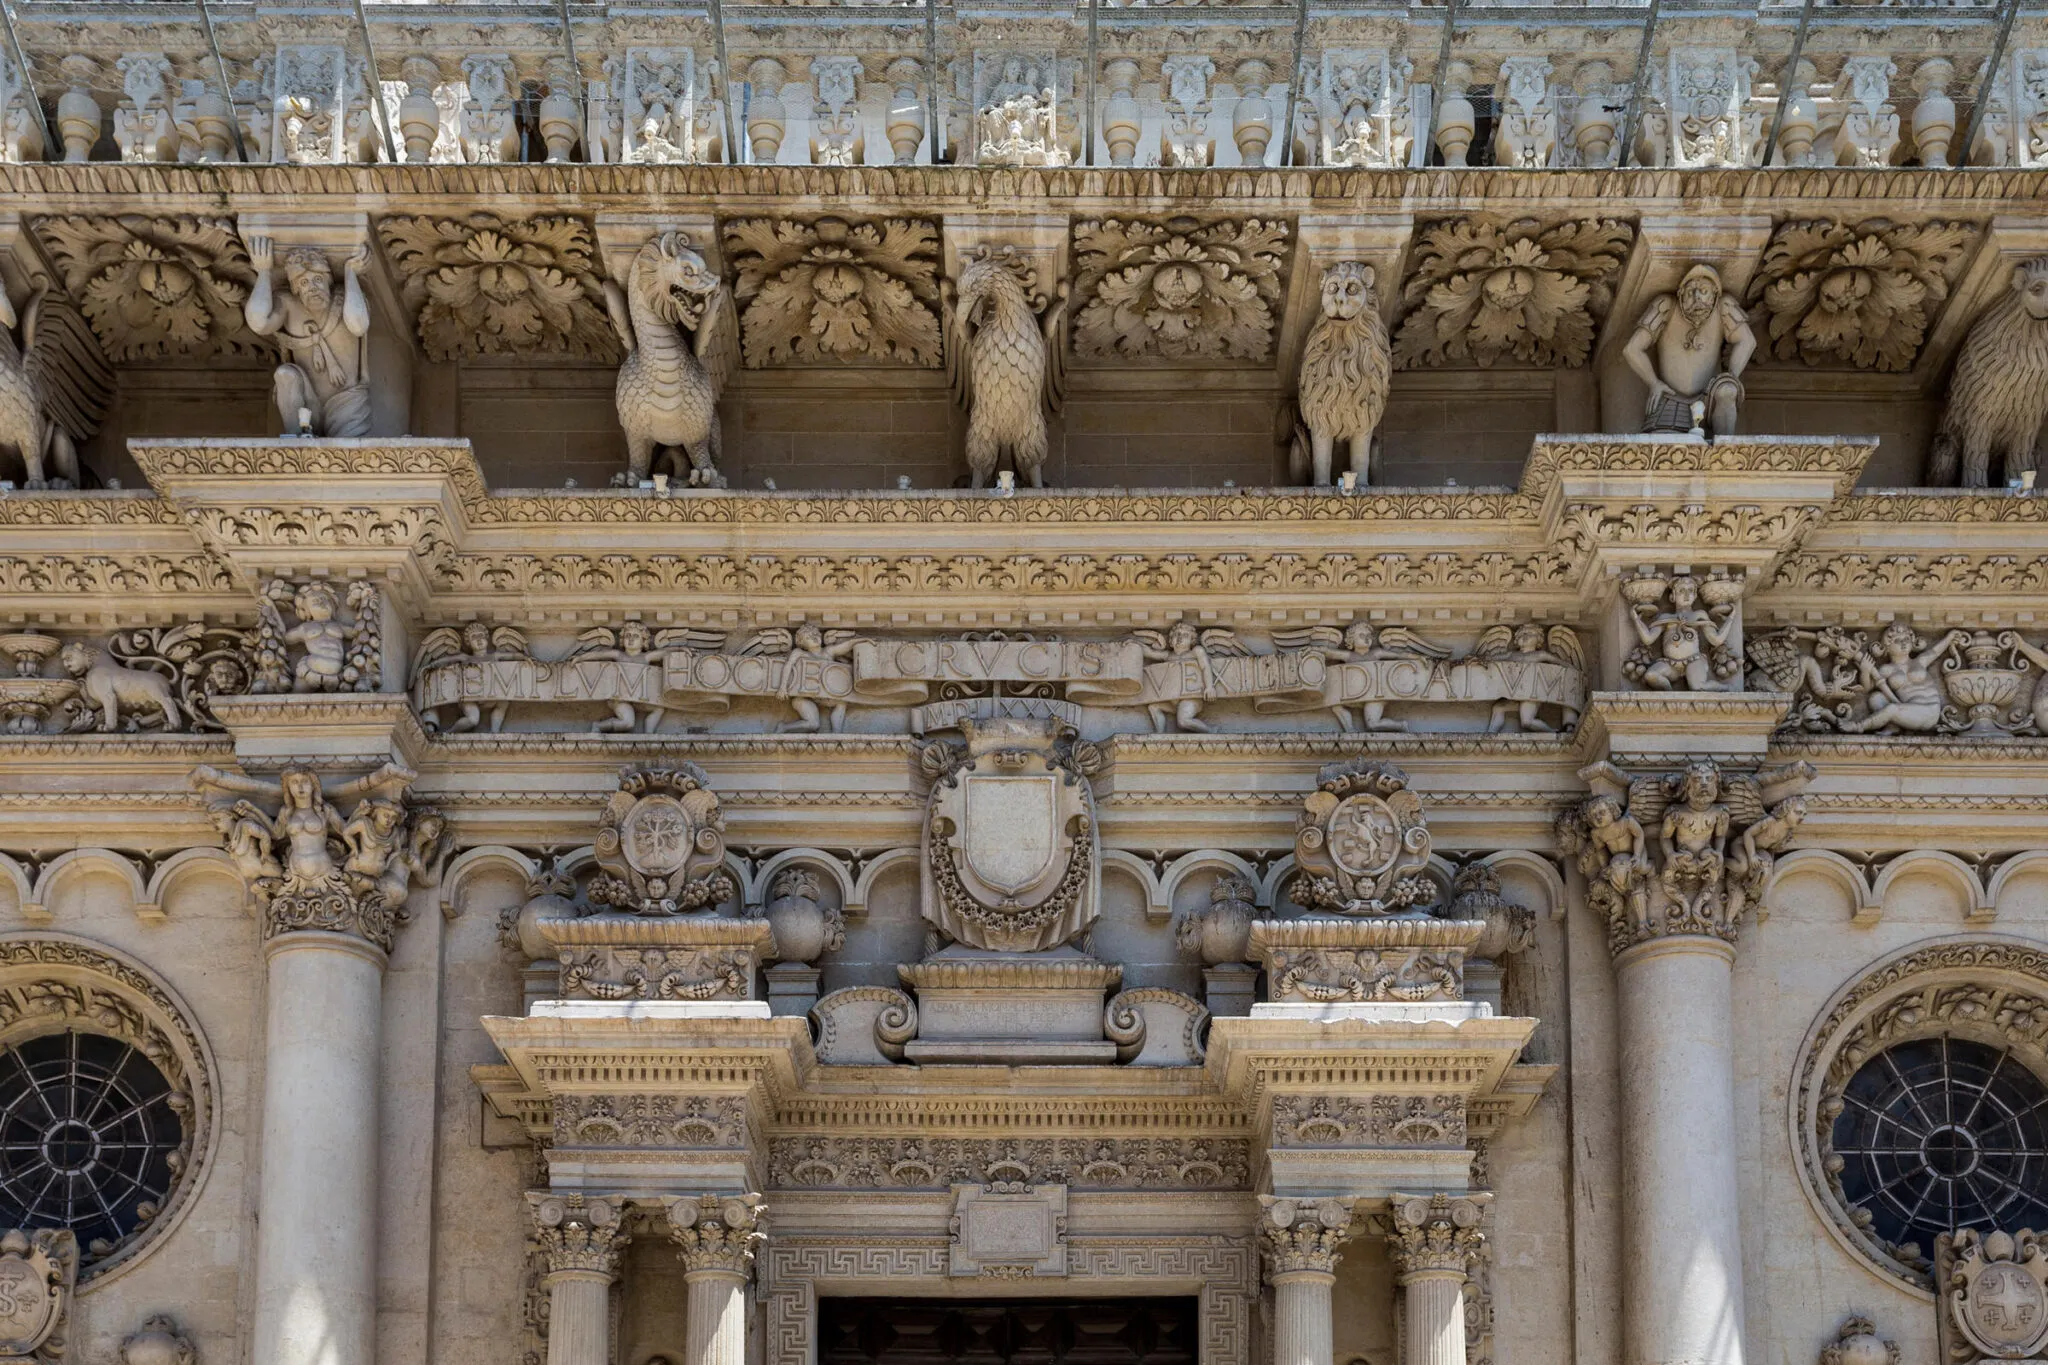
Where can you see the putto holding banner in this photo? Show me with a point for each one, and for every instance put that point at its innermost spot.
(630, 677)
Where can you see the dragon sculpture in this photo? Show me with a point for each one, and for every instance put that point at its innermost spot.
(1003, 359)
(676, 318)
(55, 387)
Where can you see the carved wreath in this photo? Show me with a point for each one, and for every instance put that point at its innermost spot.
(486, 285)
(836, 291)
(1829, 293)
(1178, 291)
(1484, 290)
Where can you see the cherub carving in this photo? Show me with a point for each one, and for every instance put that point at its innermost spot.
(1534, 644)
(634, 642)
(1363, 643)
(475, 643)
(327, 377)
(1683, 645)
(1184, 643)
(1613, 853)
(1004, 360)
(333, 655)
(1903, 691)
(807, 644)
(245, 831)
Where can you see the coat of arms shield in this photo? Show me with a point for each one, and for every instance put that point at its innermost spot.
(36, 1272)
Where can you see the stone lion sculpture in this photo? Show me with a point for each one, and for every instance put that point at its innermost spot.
(109, 688)
(1346, 367)
(1998, 397)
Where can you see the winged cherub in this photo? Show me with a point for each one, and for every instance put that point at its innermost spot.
(1184, 643)
(634, 642)
(475, 643)
(1532, 644)
(1363, 643)
(1614, 855)
(804, 652)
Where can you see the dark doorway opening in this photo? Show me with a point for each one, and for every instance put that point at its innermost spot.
(1008, 1332)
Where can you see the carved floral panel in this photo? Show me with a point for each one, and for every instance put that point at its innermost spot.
(832, 290)
(1863, 296)
(487, 285)
(1177, 290)
(1486, 290)
(155, 287)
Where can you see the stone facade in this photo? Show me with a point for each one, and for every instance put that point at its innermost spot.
(663, 667)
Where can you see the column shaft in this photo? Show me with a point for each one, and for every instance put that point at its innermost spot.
(579, 1318)
(716, 1332)
(316, 1245)
(1436, 1318)
(1682, 1267)
(1302, 1333)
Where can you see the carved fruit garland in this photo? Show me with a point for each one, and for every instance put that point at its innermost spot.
(832, 290)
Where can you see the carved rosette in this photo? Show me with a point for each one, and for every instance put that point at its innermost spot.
(1861, 295)
(1301, 1236)
(836, 291)
(1178, 290)
(1361, 842)
(1434, 1234)
(577, 1233)
(666, 1121)
(155, 287)
(1010, 845)
(661, 844)
(717, 1233)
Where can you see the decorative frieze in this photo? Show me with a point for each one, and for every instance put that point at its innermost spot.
(489, 285)
(1177, 291)
(1862, 295)
(1897, 681)
(1682, 852)
(1360, 962)
(1083, 1163)
(830, 290)
(1381, 1121)
(644, 1120)
(1483, 289)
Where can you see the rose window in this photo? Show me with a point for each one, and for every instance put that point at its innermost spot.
(90, 1137)
(1942, 1133)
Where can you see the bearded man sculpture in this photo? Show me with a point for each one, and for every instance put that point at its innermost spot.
(323, 389)
(1346, 367)
(1702, 341)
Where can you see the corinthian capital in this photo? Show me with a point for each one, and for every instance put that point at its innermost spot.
(1303, 1234)
(576, 1232)
(1435, 1233)
(717, 1232)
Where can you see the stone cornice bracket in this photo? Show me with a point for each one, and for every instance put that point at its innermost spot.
(717, 1233)
(1303, 1236)
(1612, 504)
(1435, 1234)
(389, 508)
(578, 1234)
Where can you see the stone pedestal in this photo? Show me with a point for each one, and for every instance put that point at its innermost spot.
(316, 1241)
(1682, 1261)
(1229, 990)
(1011, 1009)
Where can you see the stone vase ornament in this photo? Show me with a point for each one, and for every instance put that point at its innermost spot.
(1220, 933)
(159, 1343)
(806, 927)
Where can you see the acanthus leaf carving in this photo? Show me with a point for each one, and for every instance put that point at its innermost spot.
(154, 287)
(489, 285)
(833, 290)
(1178, 290)
(1863, 295)
(1485, 289)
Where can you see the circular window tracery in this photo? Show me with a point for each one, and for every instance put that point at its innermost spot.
(1921, 1097)
(1944, 1133)
(91, 1137)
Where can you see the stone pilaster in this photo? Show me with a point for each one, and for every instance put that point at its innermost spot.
(1302, 1241)
(717, 1235)
(582, 1239)
(1434, 1240)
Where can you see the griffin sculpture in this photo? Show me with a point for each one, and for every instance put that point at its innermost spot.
(55, 387)
(676, 318)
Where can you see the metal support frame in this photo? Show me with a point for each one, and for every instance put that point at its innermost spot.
(1785, 85)
(28, 82)
(1294, 84)
(1088, 132)
(1636, 85)
(375, 84)
(732, 132)
(933, 134)
(227, 87)
(1982, 102)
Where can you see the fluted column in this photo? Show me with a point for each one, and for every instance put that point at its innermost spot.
(1433, 1240)
(1302, 1241)
(582, 1241)
(717, 1235)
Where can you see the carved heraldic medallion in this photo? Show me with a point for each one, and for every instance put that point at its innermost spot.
(661, 844)
(1362, 842)
(1010, 848)
(1992, 1289)
(37, 1272)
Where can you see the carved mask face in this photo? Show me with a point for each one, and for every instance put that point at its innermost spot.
(1358, 638)
(1177, 285)
(632, 637)
(1696, 297)
(1684, 593)
(810, 638)
(299, 789)
(1181, 638)
(1345, 294)
(1528, 639)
